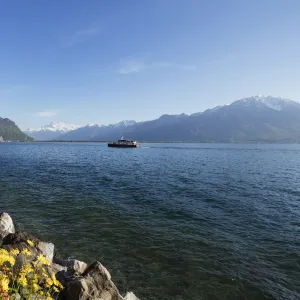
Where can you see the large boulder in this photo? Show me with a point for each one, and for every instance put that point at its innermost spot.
(18, 238)
(6, 223)
(98, 271)
(71, 268)
(3, 234)
(74, 266)
(47, 250)
(131, 296)
(95, 283)
(77, 289)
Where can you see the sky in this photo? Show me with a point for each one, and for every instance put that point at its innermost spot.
(104, 61)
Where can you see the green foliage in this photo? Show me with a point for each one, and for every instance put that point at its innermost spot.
(11, 132)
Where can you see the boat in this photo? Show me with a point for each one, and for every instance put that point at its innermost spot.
(122, 143)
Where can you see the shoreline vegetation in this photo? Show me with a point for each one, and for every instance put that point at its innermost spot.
(30, 271)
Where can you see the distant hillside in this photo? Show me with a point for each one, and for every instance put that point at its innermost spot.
(9, 131)
(256, 119)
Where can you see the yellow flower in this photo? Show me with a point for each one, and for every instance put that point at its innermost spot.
(22, 281)
(4, 282)
(30, 243)
(56, 290)
(3, 252)
(41, 293)
(35, 287)
(55, 281)
(6, 258)
(42, 259)
(48, 283)
(11, 260)
(35, 278)
(49, 298)
(14, 252)
(27, 269)
(26, 252)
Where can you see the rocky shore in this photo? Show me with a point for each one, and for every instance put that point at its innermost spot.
(28, 270)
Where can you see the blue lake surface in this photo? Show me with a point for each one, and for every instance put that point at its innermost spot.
(169, 221)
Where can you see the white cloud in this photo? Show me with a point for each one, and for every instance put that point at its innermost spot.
(132, 66)
(81, 35)
(137, 65)
(47, 113)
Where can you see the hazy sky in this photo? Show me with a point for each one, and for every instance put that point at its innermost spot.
(105, 61)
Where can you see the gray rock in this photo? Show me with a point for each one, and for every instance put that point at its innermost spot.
(95, 283)
(3, 234)
(70, 268)
(63, 277)
(99, 281)
(77, 289)
(15, 296)
(74, 266)
(18, 238)
(6, 223)
(47, 250)
(56, 268)
(97, 270)
(131, 296)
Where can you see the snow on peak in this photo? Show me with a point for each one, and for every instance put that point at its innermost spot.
(125, 123)
(55, 126)
(93, 125)
(275, 103)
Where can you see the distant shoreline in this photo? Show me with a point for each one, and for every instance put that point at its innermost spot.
(173, 142)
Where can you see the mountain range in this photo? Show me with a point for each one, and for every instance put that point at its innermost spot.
(9, 131)
(253, 119)
(51, 131)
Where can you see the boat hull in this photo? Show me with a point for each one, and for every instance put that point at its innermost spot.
(121, 146)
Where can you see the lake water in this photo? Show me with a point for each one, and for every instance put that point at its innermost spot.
(169, 221)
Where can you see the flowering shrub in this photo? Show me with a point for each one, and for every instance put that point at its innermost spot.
(30, 279)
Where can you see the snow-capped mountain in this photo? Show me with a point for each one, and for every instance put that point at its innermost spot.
(99, 132)
(55, 126)
(93, 125)
(125, 123)
(276, 103)
(50, 131)
(263, 119)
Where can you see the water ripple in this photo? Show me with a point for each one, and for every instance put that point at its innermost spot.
(170, 221)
